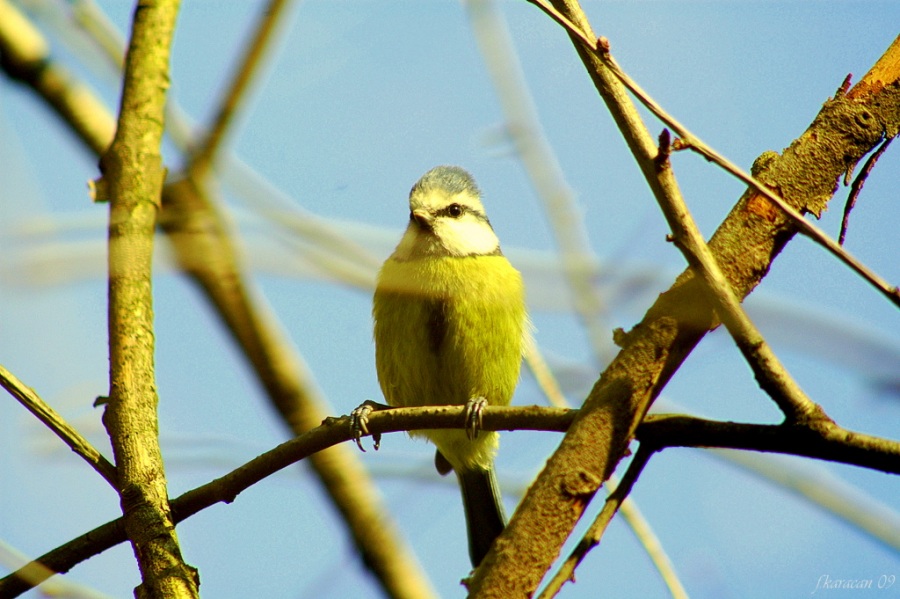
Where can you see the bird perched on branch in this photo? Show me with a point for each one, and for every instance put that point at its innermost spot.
(450, 328)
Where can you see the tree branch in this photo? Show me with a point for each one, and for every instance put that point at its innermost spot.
(770, 374)
(599, 48)
(24, 56)
(592, 537)
(657, 431)
(71, 437)
(132, 179)
(203, 246)
(269, 19)
(834, 444)
(744, 245)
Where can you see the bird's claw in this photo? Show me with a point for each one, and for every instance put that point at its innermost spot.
(359, 421)
(474, 416)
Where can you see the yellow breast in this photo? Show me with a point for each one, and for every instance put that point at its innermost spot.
(448, 330)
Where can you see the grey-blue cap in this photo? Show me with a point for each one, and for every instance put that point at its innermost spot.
(452, 179)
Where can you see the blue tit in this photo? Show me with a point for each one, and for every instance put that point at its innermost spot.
(450, 329)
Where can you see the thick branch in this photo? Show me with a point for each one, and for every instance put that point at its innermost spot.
(204, 248)
(132, 179)
(744, 245)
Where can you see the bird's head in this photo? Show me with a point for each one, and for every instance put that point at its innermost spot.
(446, 217)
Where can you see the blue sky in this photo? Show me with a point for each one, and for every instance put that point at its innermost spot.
(360, 99)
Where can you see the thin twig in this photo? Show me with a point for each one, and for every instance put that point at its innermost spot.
(34, 404)
(523, 129)
(772, 376)
(857, 186)
(270, 17)
(600, 49)
(593, 535)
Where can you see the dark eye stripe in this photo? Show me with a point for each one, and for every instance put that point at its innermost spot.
(457, 210)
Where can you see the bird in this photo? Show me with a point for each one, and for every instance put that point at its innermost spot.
(450, 328)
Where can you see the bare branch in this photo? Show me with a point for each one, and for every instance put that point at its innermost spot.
(599, 48)
(744, 245)
(24, 56)
(657, 431)
(132, 180)
(857, 186)
(270, 18)
(43, 412)
(772, 376)
(592, 537)
(835, 444)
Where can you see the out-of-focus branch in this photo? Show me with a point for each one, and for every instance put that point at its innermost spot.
(279, 367)
(202, 243)
(71, 437)
(132, 182)
(744, 245)
(205, 252)
(270, 17)
(523, 129)
(24, 56)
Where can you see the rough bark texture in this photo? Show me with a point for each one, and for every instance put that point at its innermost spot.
(806, 175)
(132, 180)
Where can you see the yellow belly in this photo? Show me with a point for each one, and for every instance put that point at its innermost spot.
(448, 330)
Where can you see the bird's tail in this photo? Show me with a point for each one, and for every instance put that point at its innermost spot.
(485, 517)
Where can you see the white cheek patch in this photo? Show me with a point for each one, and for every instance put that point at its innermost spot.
(466, 236)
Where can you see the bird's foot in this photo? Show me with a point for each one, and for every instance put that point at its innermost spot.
(359, 421)
(474, 416)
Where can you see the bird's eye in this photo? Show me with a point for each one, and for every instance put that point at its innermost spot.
(411, 215)
(454, 210)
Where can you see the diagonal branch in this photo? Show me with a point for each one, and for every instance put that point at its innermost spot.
(592, 537)
(24, 56)
(770, 374)
(71, 437)
(744, 245)
(269, 19)
(206, 253)
(542, 167)
(599, 48)
(280, 369)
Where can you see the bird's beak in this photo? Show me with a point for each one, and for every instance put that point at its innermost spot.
(423, 218)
